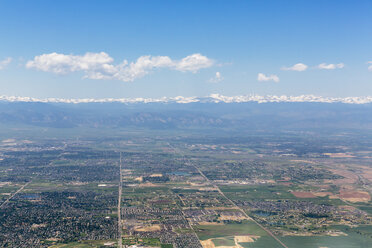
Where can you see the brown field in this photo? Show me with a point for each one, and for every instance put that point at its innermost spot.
(303, 161)
(211, 223)
(238, 239)
(140, 179)
(322, 194)
(349, 177)
(232, 217)
(156, 175)
(207, 189)
(367, 172)
(354, 196)
(339, 155)
(35, 226)
(53, 239)
(207, 243)
(347, 207)
(300, 194)
(221, 208)
(152, 228)
(245, 239)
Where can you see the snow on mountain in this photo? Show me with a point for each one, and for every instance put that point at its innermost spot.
(213, 98)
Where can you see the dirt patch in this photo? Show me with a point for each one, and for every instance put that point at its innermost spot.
(322, 194)
(211, 223)
(109, 243)
(303, 161)
(349, 177)
(339, 155)
(300, 194)
(36, 226)
(207, 243)
(245, 239)
(232, 217)
(237, 239)
(53, 239)
(347, 207)
(367, 172)
(221, 208)
(156, 175)
(139, 179)
(153, 228)
(354, 196)
(207, 189)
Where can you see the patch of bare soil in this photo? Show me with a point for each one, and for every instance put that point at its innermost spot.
(339, 155)
(355, 196)
(322, 194)
(152, 228)
(300, 194)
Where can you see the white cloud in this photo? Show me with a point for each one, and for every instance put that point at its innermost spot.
(296, 67)
(262, 77)
(370, 66)
(217, 78)
(5, 62)
(62, 64)
(100, 65)
(325, 66)
(193, 63)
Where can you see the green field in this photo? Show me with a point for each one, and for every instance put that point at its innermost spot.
(360, 237)
(229, 241)
(205, 232)
(85, 244)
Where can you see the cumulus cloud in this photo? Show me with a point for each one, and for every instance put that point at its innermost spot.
(325, 66)
(217, 78)
(262, 78)
(100, 65)
(5, 62)
(370, 65)
(296, 67)
(62, 64)
(193, 63)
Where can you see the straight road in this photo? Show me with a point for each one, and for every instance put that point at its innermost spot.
(120, 227)
(19, 190)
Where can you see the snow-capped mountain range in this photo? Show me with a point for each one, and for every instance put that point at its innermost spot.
(213, 98)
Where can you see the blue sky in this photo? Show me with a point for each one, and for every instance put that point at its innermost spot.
(76, 49)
